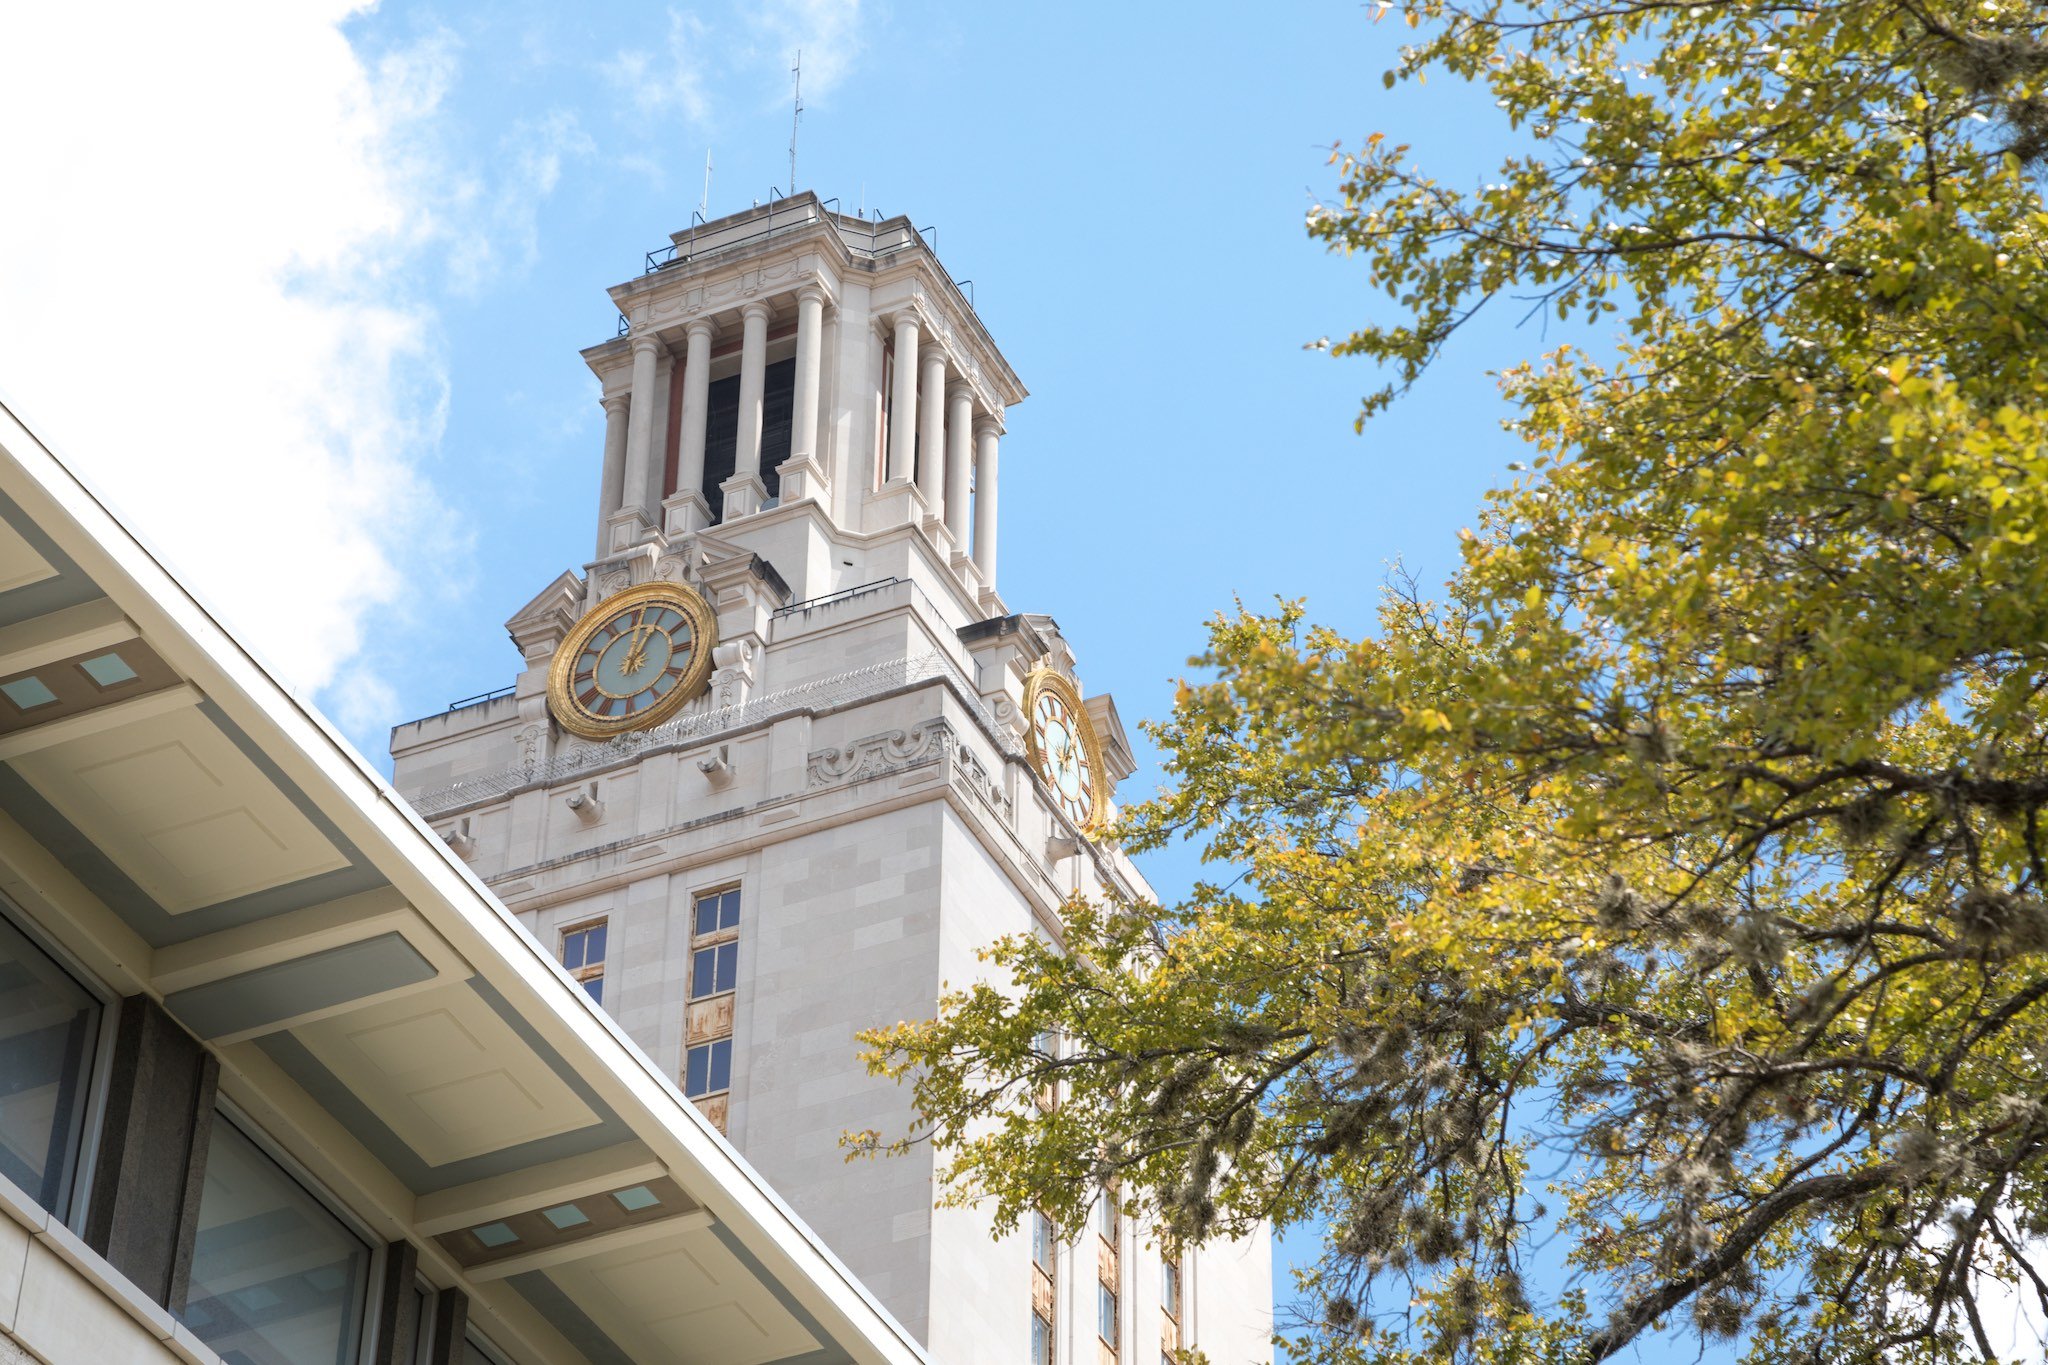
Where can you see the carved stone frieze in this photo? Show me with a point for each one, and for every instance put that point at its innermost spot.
(529, 741)
(880, 755)
(897, 751)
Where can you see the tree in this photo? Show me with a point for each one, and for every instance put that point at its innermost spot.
(1670, 892)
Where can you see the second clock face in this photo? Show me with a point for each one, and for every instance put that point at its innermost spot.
(633, 661)
(1064, 750)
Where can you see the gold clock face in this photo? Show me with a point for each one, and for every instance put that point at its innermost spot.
(633, 661)
(1064, 749)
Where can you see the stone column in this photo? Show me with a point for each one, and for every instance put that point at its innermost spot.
(686, 510)
(903, 400)
(634, 512)
(931, 412)
(810, 339)
(744, 491)
(611, 484)
(985, 433)
(959, 460)
(803, 473)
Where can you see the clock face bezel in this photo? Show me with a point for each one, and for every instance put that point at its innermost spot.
(1044, 683)
(569, 712)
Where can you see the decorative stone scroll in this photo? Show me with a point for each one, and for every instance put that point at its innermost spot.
(879, 755)
(898, 751)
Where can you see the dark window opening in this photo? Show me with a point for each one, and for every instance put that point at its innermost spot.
(722, 432)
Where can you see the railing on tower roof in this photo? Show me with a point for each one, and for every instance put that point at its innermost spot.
(870, 238)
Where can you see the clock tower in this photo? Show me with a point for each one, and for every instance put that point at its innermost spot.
(781, 759)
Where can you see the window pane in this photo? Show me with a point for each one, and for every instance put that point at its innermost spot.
(1041, 1241)
(728, 967)
(572, 951)
(593, 947)
(1105, 1315)
(697, 1072)
(423, 1330)
(276, 1278)
(721, 1064)
(595, 986)
(703, 971)
(707, 914)
(729, 909)
(1041, 1341)
(48, 1023)
(1169, 1286)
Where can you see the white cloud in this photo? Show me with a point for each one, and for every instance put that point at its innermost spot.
(671, 80)
(827, 32)
(210, 216)
(504, 240)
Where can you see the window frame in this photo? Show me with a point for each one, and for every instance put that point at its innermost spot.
(1046, 1357)
(225, 1110)
(710, 1048)
(723, 933)
(98, 1060)
(585, 973)
(1109, 1306)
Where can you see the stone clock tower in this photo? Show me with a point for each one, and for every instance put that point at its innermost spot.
(782, 759)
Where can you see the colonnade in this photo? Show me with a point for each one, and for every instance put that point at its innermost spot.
(934, 414)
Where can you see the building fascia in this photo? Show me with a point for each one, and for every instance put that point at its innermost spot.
(368, 813)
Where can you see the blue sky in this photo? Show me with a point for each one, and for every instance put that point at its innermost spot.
(1126, 194)
(309, 288)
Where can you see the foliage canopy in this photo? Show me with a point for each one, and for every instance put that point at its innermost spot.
(1671, 891)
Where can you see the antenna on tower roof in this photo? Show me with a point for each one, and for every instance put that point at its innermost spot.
(704, 204)
(796, 76)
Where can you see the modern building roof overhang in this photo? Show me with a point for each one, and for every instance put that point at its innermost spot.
(195, 833)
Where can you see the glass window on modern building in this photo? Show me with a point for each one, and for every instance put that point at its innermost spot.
(477, 1351)
(1106, 1316)
(583, 955)
(277, 1277)
(49, 1027)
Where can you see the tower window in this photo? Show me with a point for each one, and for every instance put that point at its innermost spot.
(1106, 1315)
(707, 1069)
(722, 432)
(1169, 1285)
(714, 976)
(1041, 1341)
(718, 911)
(583, 956)
(714, 970)
(1109, 1218)
(1041, 1241)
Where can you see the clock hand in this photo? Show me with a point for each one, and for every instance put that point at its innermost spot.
(636, 652)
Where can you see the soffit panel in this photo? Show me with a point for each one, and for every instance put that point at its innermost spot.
(36, 578)
(20, 565)
(687, 1299)
(181, 810)
(447, 1074)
